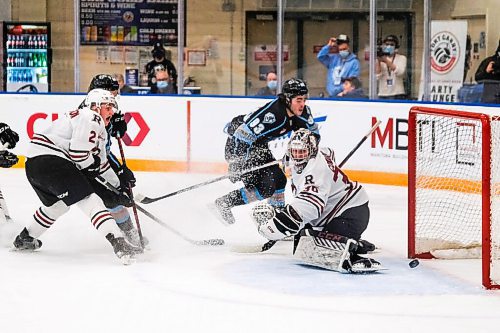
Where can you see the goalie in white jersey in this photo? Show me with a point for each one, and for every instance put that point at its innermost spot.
(61, 161)
(327, 214)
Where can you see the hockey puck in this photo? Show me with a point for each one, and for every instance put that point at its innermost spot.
(414, 263)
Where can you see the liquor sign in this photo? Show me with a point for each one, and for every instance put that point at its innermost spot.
(128, 22)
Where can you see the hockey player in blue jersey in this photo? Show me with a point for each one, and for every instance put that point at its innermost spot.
(247, 147)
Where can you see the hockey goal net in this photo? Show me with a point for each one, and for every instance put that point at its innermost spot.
(454, 187)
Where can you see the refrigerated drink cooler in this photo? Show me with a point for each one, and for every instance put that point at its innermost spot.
(26, 57)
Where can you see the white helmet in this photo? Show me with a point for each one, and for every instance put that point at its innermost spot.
(98, 97)
(302, 147)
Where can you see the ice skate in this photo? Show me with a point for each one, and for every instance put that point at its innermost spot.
(361, 265)
(25, 242)
(223, 211)
(124, 250)
(132, 236)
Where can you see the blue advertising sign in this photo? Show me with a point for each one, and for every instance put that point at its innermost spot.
(128, 22)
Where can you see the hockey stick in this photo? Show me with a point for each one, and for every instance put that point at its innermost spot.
(3, 205)
(146, 200)
(271, 243)
(214, 241)
(129, 189)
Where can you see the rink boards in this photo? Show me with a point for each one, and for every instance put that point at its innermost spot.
(185, 133)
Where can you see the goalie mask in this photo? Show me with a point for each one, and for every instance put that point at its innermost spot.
(302, 147)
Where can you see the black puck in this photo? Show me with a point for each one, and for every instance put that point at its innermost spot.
(414, 263)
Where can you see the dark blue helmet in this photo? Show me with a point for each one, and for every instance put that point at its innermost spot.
(104, 81)
(294, 87)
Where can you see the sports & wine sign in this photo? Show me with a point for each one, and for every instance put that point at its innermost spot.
(128, 22)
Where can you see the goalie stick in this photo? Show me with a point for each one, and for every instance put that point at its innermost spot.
(271, 243)
(146, 200)
(213, 241)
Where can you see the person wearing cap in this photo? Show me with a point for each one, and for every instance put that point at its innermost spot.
(352, 89)
(160, 62)
(390, 68)
(271, 85)
(340, 65)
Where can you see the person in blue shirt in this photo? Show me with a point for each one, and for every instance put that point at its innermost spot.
(340, 65)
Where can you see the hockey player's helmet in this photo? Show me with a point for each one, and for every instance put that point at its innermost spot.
(303, 146)
(294, 87)
(98, 97)
(104, 81)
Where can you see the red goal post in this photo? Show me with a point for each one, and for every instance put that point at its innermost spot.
(454, 187)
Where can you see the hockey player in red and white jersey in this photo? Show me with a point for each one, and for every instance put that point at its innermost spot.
(60, 162)
(327, 214)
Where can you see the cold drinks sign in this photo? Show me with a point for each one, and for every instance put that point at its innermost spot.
(128, 22)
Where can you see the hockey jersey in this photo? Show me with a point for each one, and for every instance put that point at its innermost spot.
(322, 191)
(76, 136)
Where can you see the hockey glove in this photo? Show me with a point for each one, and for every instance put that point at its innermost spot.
(118, 125)
(126, 177)
(123, 199)
(94, 169)
(8, 136)
(234, 168)
(7, 159)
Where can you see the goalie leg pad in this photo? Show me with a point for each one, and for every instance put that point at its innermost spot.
(325, 253)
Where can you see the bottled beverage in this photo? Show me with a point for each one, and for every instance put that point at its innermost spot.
(7, 44)
(44, 60)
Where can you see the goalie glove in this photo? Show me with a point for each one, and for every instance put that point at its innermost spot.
(276, 223)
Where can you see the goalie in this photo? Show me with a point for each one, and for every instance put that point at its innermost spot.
(327, 214)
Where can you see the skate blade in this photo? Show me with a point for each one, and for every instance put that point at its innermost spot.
(128, 259)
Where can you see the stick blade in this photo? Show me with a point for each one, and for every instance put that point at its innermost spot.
(211, 242)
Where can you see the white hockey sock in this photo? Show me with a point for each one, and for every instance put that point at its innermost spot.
(100, 217)
(44, 217)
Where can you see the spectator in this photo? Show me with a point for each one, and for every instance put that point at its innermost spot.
(489, 68)
(123, 88)
(352, 88)
(390, 69)
(271, 85)
(159, 59)
(163, 84)
(340, 65)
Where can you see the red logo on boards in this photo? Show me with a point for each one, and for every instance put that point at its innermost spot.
(136, 116)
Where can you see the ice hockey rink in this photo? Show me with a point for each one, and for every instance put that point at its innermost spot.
(74, 283)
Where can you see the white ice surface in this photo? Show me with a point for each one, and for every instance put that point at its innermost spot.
(74, 283)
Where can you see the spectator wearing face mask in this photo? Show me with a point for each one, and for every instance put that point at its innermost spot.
(160, 60)
(163, 84)
(390, 68)
(271, 85)
(341, 63)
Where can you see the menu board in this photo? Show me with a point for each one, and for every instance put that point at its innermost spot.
(128, 22)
